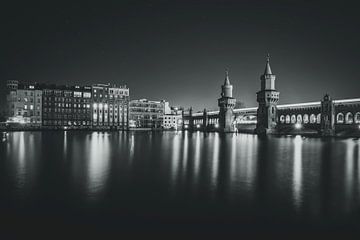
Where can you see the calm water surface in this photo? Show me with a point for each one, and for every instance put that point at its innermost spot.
(178, 182)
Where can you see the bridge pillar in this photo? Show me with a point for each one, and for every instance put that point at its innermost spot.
(327, 124)
(191, 120)
(267, 98)
(205, 120)
(226, 104)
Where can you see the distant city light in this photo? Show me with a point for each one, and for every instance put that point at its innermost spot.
(198, 126)
(216, 125)
(298, 126)
(185, 126)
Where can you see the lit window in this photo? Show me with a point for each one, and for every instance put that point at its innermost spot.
(87, 95)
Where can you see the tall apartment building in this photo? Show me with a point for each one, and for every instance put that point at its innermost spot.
(148, 114)
(24, 103)
(65, 106)
(110, 106)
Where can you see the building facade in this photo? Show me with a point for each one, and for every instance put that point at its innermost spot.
(148, 114)
(66, 107)
(110, 106)
(24, 103)
(174, 119)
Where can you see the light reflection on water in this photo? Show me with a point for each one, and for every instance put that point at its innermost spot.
(215, 162)
(98, 162)
(297, 172)
(305, 176)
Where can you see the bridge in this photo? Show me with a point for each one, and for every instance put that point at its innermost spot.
(290, 116)
(326, 117)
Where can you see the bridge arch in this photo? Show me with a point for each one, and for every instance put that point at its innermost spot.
(293, 118)
(357, 117)
(306, 118)
(299, 118)
(312, 118)
(287, 119)
(318, 118)
(282, 119)
(340, 118)
(349, 118)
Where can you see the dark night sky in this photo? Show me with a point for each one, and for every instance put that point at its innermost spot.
(178, 50)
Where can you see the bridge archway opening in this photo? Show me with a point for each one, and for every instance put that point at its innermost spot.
(299, 118)
(349, 118)
(306, 118)
(357, 117)
(318, 118)
(293, 119)
(287, 119)
(282, 119)
(340, 118)
(312, 118)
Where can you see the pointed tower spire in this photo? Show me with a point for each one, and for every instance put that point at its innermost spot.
(227, 80)
(267, 68)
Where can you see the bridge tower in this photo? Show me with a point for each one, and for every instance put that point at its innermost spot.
(327, 124)
(226, 104)
(267, 98)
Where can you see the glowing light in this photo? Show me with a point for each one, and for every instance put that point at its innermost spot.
(94, 105)
(198, 126)
(186, 126)
(298, 126)
(100, 106)
(298, 104)
(359, 126)
(347, 100)
(216, 125)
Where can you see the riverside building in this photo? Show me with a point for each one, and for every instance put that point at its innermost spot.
(24, 103)
(66, 106)
(147, 113)
(110, 108)
(174, 119)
